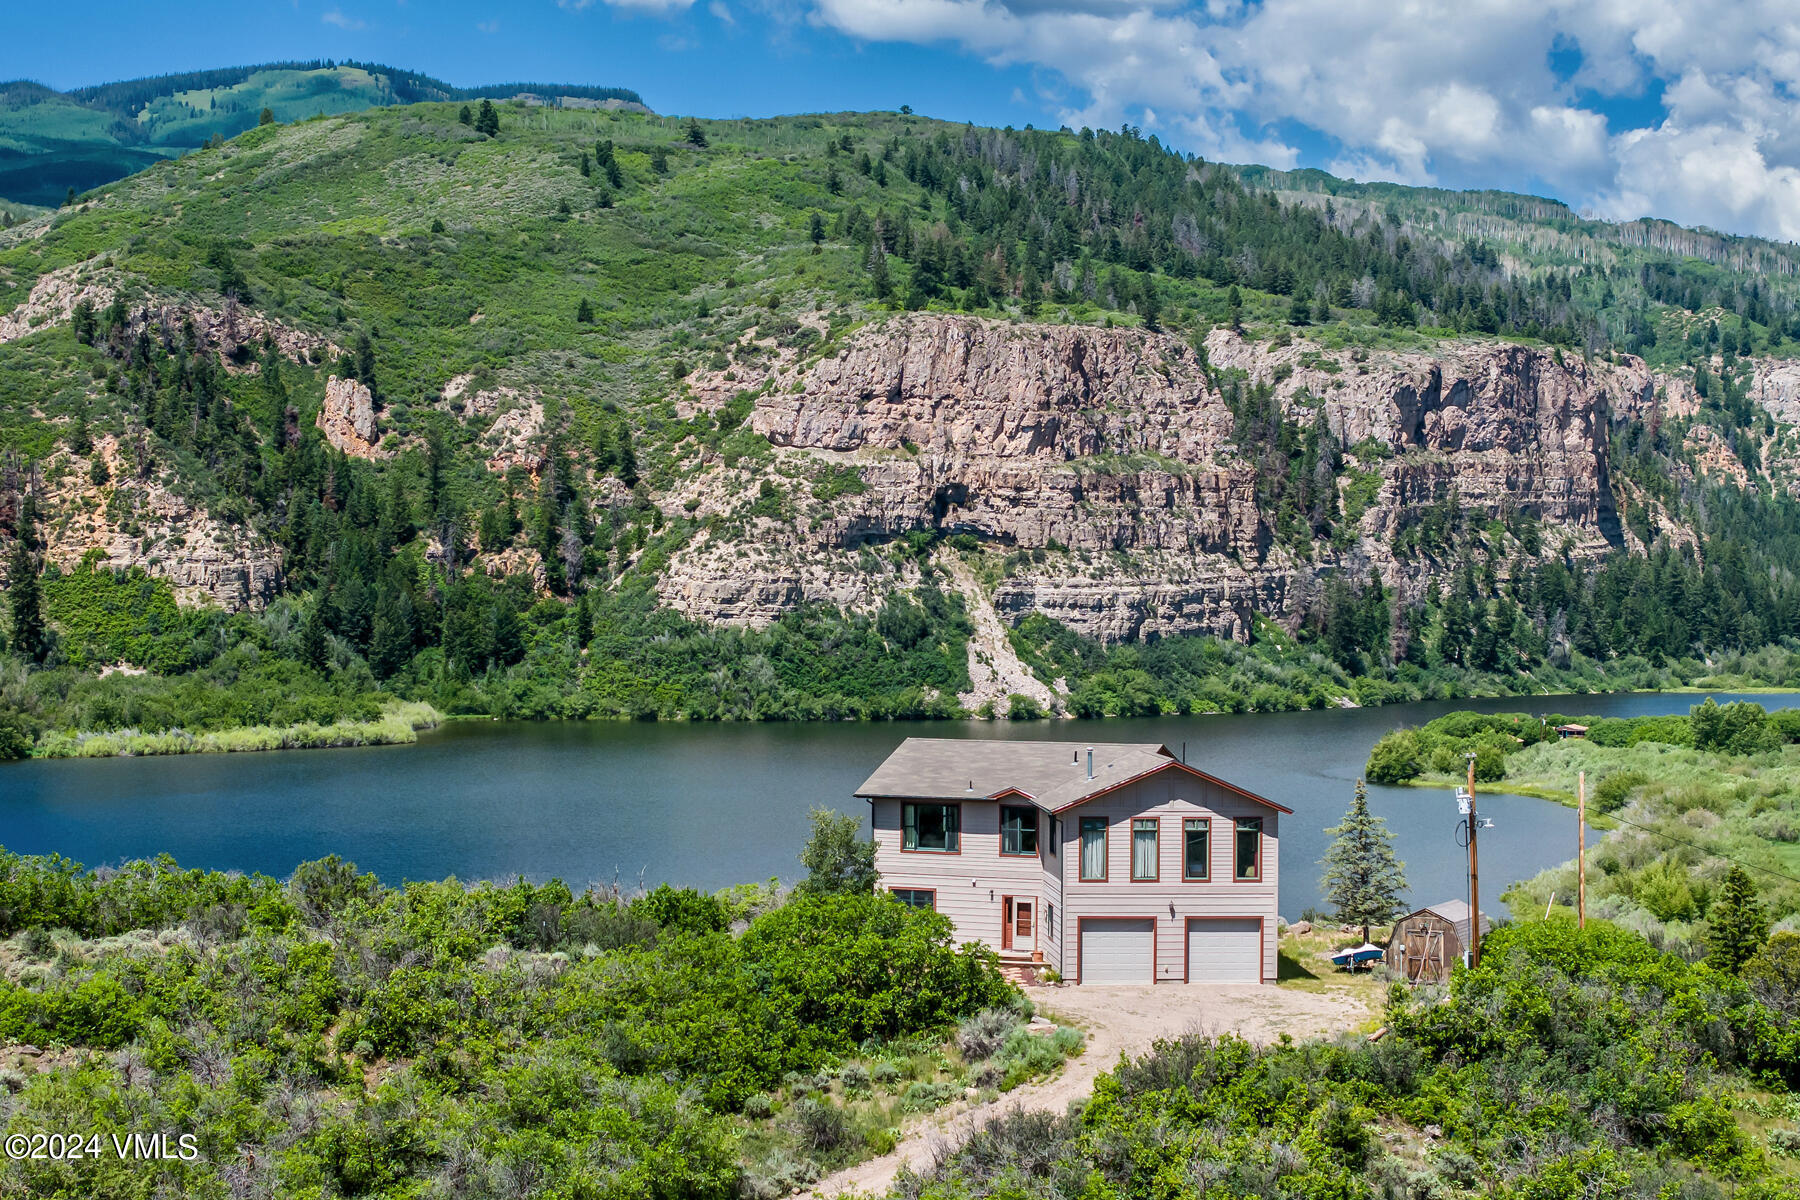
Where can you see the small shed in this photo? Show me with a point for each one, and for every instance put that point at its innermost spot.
(1571, 731)
(1425, 944)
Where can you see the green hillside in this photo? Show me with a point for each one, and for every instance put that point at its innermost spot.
(53, 141)
(595, 262)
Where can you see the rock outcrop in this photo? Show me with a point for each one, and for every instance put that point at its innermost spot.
(1109, 454)
(347, 419)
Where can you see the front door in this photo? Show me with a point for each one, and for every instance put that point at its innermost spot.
(1018, 923)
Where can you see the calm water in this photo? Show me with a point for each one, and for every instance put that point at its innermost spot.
(712, 805)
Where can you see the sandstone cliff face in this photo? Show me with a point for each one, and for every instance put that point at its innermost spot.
(347, 419)
(1111, 450)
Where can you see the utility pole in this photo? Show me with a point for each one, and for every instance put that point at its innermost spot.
(1474, 873)
(1581, 850)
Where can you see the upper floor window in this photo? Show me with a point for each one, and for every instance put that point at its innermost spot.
(1018, 829)
(932, 827)
(1196, 850)
(1249, 848)
(1143, 848)
(1055, 837)
(1093, 848)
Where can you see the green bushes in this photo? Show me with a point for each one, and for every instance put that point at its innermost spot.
(1567, 1060)
(1613, 790)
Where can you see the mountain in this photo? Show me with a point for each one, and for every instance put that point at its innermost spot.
(606, 413)
(51, 142)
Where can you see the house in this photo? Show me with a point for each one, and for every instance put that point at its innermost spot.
(1571, 731)
(1427, 943)
(1110, 863)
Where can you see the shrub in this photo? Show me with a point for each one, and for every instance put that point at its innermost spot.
(981, 1035)
(1396, 758)
(1611, 795)
(683, 910)
(820, 1125)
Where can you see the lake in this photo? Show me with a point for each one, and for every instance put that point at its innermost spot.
(713, 805)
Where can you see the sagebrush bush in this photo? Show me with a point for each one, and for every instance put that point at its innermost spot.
(979, 1036)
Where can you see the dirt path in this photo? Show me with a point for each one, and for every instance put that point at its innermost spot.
(1117, 1020)
(994, 669)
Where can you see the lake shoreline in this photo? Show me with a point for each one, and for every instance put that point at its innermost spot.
(383, 731)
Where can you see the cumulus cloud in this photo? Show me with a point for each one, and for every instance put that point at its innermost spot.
(1420, 91)
(336, 17)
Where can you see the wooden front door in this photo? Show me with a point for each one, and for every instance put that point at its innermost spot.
(1018, 923)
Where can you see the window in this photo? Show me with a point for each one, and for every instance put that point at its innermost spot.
(1249, 848)
(1018, 829)
(1196, 855)
(916, 897)
(1050, 921)
(931, 827)
(1055, 836)
(1143, 848)
(1093, 848)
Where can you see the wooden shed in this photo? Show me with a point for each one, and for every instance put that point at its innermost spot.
(1427, 943)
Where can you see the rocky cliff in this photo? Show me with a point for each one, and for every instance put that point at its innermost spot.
(1108, 454)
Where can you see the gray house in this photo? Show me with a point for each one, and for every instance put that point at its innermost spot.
(1111, 863)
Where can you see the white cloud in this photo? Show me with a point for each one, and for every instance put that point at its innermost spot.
(489, 27)
(1425, 90)
(720, 12)
(336, 17)
(655, 8)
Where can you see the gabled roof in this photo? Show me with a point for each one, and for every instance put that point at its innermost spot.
(1054, 774)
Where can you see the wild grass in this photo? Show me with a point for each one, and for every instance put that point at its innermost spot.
(398, 725)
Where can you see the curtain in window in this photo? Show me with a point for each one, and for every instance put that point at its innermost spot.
(1093, 848)
(1143, 849)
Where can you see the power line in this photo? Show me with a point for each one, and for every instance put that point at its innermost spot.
(1705, 849)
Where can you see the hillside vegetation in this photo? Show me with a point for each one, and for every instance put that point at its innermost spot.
(550, 308)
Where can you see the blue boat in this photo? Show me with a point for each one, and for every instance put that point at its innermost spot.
(1365, 955)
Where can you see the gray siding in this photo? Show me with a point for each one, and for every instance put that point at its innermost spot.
(971, 884)
(1170, 797)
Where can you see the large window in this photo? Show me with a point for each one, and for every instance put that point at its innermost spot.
(1196, 852)
(916, 897)
(1093, 848)
(1249, 848)
(1143, 848)
(1055, 837)
(1018, 829)
(931, 827)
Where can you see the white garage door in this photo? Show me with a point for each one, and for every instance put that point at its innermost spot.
(1118, 950)
(1224, 950)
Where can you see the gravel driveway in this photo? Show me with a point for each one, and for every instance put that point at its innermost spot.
(1117, 1020)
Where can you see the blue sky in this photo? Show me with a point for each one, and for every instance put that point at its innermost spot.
(1676, 108)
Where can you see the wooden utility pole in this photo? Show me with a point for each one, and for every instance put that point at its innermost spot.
(1581, 850)
(1474, 874)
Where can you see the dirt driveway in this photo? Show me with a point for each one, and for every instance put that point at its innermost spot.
(1117, 1020)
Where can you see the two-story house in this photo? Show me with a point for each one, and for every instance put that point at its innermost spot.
(1112, 863)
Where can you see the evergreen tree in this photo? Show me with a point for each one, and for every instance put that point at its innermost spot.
(266, 117)
(615, 177)
(1363, 880)
(584, 623)
(1736, 926)
(815, 227)
(587, 167)
(695, 135)
(879, 279)
(487, 121)
(466, 116)
(29, 638)
(659, 160)
(584, 312)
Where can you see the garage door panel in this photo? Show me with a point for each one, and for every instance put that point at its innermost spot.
(1224, 950)
(1118, 950)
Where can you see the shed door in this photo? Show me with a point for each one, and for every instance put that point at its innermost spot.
(1224, 950)
(1118, 950)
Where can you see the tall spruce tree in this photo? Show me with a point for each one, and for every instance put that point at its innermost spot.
(1737, 926)
(1363, 880)
(28, 637)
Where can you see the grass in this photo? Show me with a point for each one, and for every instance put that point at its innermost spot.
(398, 725)
(1303, 964)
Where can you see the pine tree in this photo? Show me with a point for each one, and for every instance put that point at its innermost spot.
(266, 117)
(1737, 926)
(1363, 880)
(584, 312)
(878, 273)
(28, 637)
(659, 160)
(584, 623)
(615, 177)
(815, 227)
(466, 116)
(695, 135)
(487, 121)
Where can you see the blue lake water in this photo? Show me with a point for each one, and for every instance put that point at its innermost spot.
(712, 805)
